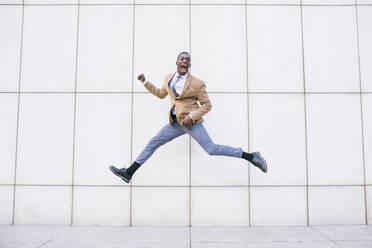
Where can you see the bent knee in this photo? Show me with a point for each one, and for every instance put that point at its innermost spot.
(211, 149)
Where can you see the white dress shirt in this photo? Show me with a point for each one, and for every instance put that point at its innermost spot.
(180, 84)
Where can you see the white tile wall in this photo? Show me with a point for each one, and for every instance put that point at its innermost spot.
(49, 48)
(45, 139)
(162, 2)
(6, 204)
(367, 126)
(43, 205)
(101, 206)
(217, 1)
(226, 124)
(105, 48)
(273, 2)
(278, 205)
(364, 1)
(10, 44)
(115, 39)
(51, 1)
(103, 137)
(11, 1)
(274, 48)
(164, 206)
(369, 204)
(218, 47)
(169, 165)
(107, 1)
(331, 61)
(328, 2)
(336, 205)
(8, 132)
(334, 139)
(158, 41)
(216, 206)
(365, 46)
(277, 131)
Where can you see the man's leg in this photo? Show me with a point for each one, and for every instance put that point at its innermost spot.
(166, 134)
(200, 134)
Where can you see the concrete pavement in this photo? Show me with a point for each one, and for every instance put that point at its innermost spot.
(35, 236)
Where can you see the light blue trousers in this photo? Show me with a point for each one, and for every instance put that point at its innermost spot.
(197, 131)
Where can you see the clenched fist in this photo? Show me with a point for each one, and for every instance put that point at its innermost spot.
(141, 78)
(187, 122)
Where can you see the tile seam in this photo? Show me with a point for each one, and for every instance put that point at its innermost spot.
(131, 116)
(18, 114)
(186, 4)
(305, 116)
(194, 4)
(361, 114)
(183, 186)
(75, 110)
(190, 163)
(248, 119)
(210, 92)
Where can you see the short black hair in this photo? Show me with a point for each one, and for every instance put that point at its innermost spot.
(183, 53)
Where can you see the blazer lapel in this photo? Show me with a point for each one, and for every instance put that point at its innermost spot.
(167, 83)
(187, 84)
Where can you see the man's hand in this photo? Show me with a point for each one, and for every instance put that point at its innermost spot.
(141, 78)
(187, 122)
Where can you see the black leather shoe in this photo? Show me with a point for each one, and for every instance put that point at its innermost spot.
(122, 173)
(259, 161)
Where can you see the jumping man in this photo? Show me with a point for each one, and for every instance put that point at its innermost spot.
(185, 116)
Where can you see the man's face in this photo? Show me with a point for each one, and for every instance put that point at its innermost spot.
(183, 63)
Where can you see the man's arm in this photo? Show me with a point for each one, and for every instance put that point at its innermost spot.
(161, 93)
(206, 105)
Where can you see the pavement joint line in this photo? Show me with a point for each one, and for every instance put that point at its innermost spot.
(325, 236)
(52, 238)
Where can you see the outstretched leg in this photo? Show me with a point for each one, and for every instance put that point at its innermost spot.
(166, 134)
(200, 134)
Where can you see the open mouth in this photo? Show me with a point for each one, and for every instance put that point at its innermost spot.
(183, 68)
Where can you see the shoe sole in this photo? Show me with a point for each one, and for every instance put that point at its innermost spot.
(123, 178)
(259, 154)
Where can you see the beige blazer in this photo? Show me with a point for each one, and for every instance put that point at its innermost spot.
(186, 103)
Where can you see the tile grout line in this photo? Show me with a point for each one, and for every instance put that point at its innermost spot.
(131, 115)
(361, 114)
(190, 164)
(189, 5)
(182, 4)
(183, 186)
(209, 92)
(18, 110)
(248, 119)
(75, 110)
(305, 117)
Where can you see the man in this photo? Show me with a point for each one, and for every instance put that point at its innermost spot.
(185, 116)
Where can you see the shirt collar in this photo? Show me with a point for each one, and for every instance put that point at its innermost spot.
(182, 76)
